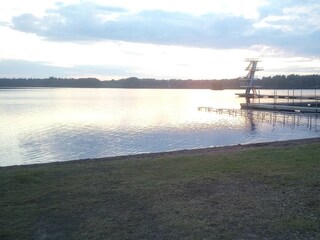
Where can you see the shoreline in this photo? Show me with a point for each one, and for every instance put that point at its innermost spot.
(184, 152)
(208, 150)
(192, 152)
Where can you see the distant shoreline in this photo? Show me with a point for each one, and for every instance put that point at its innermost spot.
(291, 81)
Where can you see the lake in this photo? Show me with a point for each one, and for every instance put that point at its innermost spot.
(40, 125)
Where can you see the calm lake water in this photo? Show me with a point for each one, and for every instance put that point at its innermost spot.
(60, 124)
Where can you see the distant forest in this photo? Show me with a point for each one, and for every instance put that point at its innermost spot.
(276, 82)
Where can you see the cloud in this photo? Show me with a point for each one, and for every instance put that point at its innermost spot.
(295, 28)
(295, 19)
(245, 8)
(90, 22)
(288, 27)
(32, 69)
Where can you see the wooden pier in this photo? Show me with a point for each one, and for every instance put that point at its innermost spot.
(290, 103)
(298, 97)
(282, 107)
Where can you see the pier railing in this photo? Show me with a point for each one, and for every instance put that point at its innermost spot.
(292, 101)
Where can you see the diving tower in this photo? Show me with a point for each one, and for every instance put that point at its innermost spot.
(249, 80)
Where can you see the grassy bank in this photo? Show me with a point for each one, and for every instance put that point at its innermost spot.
(257, 192)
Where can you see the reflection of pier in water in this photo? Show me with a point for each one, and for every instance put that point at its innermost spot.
(292, 119)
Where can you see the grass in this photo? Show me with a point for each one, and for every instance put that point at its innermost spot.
(251, 193)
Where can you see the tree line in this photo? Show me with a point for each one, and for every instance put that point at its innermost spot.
(134, 82)
(275, 82)
(292, 81)
(50, 82)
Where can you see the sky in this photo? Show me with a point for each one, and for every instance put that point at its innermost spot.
(180, 39)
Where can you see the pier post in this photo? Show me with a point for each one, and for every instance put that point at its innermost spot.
(293, 96)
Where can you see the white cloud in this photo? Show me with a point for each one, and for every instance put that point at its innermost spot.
(273, 22)
(296, 19)
(245, 8)
(11, 8)
(91, 22)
